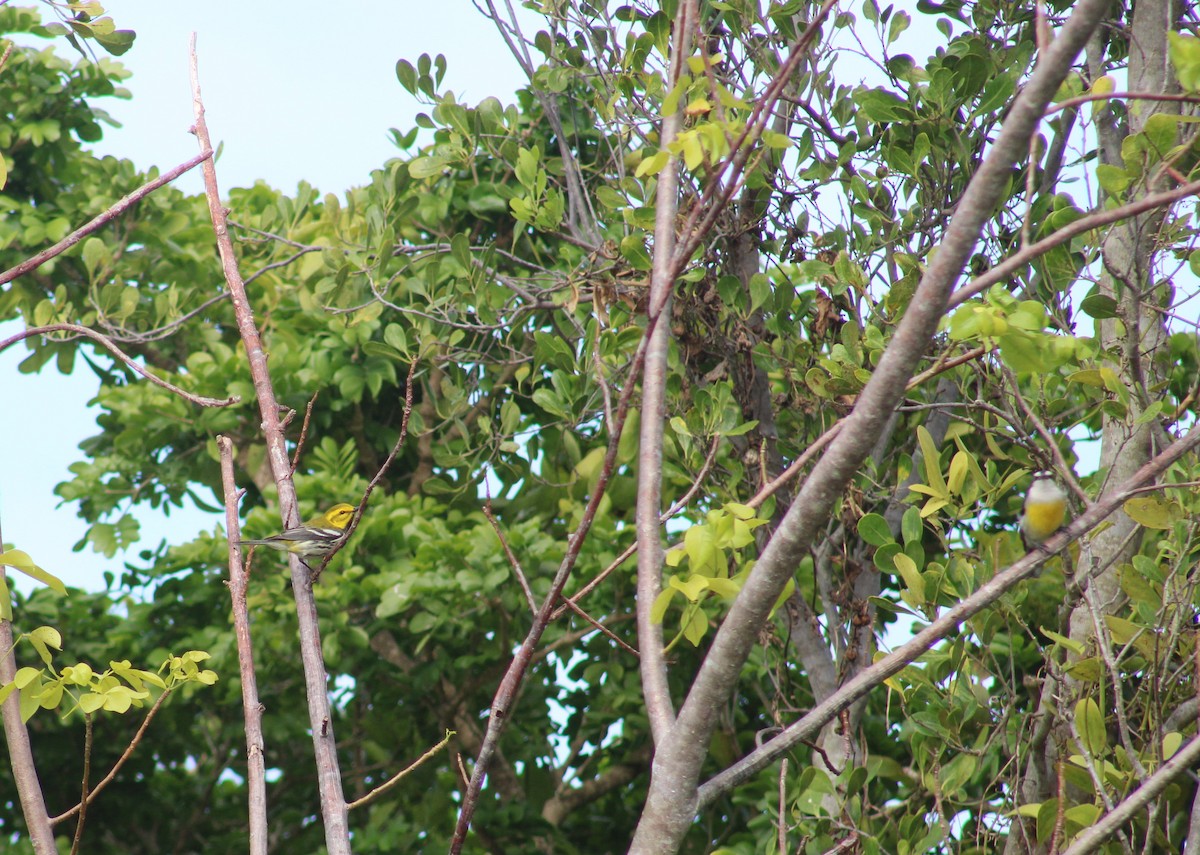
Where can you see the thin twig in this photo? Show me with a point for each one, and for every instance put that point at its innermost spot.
(88, 734)
(510, 685)
(697, 482)
(108, 343)
(620, 642)
(125, 755)
(1005, 269)
(387, 463)
(512, 559)
(1078, 100)
(304, 431)
(947, 622)
(782, 826)
(399, 776)
(316, 688)
(652, 664)
(1051, 446)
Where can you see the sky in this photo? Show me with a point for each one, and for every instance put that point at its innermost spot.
(301, 91)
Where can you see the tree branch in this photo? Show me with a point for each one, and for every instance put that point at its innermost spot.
(674, 798)
(988, 593)
(329, 779)
(1180, 763)
(252, 708)
(115, 210)
(20, 752)
(111, 346)
(652, 662)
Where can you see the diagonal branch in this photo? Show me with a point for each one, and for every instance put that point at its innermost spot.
(108, 343)
(808, 726)
(674, 798)
(115, 210)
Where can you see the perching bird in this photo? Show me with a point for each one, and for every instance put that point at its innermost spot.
(316, 538)
(1045, 509)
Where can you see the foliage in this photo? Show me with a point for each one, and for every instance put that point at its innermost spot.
(506, 252)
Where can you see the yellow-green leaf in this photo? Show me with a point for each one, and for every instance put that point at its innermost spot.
(696, 627)
(933, 470)
(21, 561)
(908, 571)
(1152, 512)
(1089, 722)
(659, 609)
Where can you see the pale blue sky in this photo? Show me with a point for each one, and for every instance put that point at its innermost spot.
(305, 91)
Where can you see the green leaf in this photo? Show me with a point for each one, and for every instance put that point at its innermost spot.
(1184, 52)
(460, 249)
(1171, 743)
(659, 609)
(693, 587)
(1113, 179)
(407, 75)
(913, 580)
(1074, 646)
(702, 552)
(873, 529)
(1089, 722)
(633, 250)
(880, 105)
(1100, 307)
(912, 528)
(427, 166)
(933, 470)
(116, 42)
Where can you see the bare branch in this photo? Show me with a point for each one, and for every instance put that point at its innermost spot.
(674, 798)
(88, 734)
(655, 690)
(20, 751)
(252, 708)
(1005, 269)
(1179, 764)
(125, 755)
(988, 593)
(401, 775)
(333, 803)
(383, 469)
(115, 210)
(513, 561)
(111, 346)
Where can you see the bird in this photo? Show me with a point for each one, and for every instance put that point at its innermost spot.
(314, 539)
(1044, 511)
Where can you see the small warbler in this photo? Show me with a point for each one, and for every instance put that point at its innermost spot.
(316, 538)
(1045, 509)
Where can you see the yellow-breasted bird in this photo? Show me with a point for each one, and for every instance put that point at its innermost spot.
(316, 538)
(1045, 509)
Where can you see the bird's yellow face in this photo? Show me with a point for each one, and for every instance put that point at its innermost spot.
(339, 515)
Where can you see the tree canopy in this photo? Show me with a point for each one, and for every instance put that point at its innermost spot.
(747, 323)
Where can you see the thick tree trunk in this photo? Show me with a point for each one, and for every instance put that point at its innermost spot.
(1129, 276)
